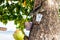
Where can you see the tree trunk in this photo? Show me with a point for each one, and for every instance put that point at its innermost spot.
(48, 28)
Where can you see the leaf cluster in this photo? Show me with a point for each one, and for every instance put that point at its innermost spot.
(14, 10)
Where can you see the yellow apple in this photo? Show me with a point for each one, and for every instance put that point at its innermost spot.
(18, 35)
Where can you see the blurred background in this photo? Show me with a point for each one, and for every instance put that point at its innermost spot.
(13, 15)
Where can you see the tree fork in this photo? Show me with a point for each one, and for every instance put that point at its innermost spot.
(48, 28)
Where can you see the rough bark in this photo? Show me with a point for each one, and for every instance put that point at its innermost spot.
(48, 28)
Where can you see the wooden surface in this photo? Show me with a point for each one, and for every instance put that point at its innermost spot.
(3, 29)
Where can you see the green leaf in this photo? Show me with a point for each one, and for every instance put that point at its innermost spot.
(13, 12)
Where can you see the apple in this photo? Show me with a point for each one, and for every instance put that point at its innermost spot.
(18, 35)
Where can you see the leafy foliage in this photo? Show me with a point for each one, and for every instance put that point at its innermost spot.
(14, 10)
